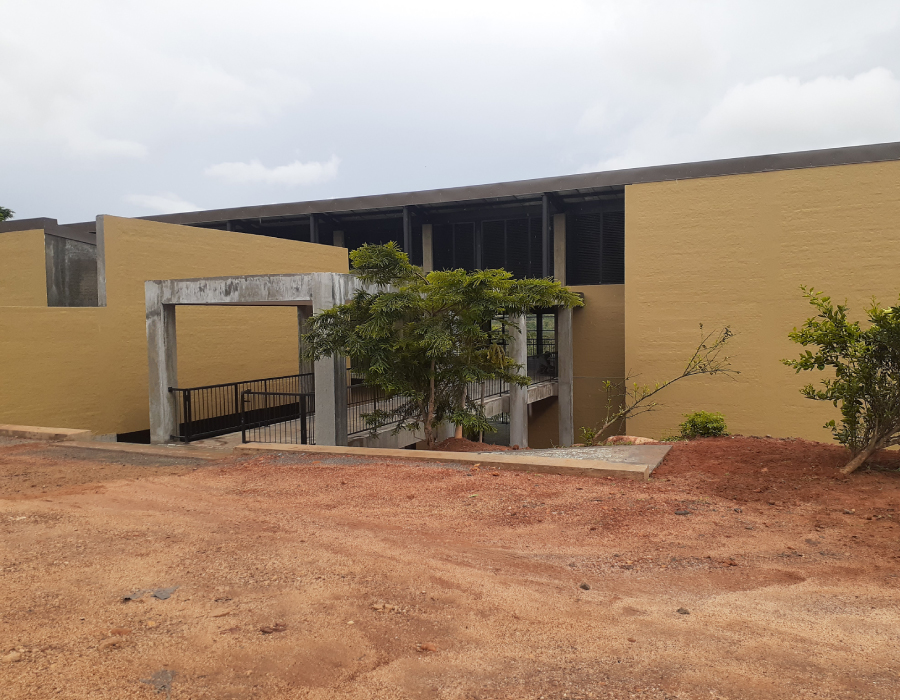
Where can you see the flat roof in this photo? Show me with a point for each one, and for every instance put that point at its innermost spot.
(566, 187)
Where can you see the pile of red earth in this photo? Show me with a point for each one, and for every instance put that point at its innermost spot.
(774, 470)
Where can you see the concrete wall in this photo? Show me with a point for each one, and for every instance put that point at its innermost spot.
(71, 268)
(87, 367)
(735, 250)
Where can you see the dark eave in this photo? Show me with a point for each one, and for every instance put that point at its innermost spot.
(566, 190)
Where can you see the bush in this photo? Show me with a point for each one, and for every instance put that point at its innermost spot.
(863, 373)
(703, 424)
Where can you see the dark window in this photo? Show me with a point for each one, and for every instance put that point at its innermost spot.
(518, 259)
(464, 246)
(453, 246)
(595, 248)
(493, 244)
(514, 245)
(584, 237)
(442, 247)
(415, 256)
(613, 261)
(373, 233)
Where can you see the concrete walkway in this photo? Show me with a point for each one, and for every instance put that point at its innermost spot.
(625, 461)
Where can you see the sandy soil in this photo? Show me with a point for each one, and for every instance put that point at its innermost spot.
(301, 577)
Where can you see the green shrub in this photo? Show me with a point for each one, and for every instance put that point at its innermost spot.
(588, 435)
(703, 424)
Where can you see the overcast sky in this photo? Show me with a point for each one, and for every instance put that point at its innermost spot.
(136, 108)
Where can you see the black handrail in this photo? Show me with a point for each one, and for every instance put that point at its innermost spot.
(282, 416)
(215, 409)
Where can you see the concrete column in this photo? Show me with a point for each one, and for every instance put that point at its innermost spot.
(518, 395)
(303, 313)
(101, 261)
(338, 239)
(427, 249)
(565, 351)
(330, 378)
(162, 356)
(559, 248)
(565, 362)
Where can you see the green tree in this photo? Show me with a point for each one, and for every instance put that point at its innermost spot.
(6, 213)
(865, 363)
(424, 337)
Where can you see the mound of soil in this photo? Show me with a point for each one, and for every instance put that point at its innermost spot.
(780, 471)
(455, 444)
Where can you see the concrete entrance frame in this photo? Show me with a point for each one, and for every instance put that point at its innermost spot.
(310, 293)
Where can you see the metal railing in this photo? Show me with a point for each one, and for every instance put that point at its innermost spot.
(543, 368)
(547, 344)
(363, 400)
(277, 416)
(282, 409)
(208, 411)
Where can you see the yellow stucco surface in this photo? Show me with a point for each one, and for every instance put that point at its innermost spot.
(87, 367)
(599, 349)
(735, 250)
(23, 278)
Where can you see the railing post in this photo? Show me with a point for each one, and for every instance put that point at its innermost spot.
(243, 415)
(303, 432)
(186, 397)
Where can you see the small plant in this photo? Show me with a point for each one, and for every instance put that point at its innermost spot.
(588, 435)
(703, 424)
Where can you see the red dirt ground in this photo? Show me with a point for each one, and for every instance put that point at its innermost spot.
(313, 577)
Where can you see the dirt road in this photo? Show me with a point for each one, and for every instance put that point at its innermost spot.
(742, 570)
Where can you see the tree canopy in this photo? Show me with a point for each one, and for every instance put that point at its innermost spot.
(425, 337)
(6, 213)
(865, 368)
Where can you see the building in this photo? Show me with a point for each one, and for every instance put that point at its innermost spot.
(655, 251)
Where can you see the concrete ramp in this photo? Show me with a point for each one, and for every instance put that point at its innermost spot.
(625, 461)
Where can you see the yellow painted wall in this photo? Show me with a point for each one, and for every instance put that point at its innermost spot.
(599, 340)
(735, 250)
(543, 423)
(23, 276)
(87, 367)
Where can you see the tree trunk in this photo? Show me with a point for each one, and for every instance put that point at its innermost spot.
(462, 404)
(860, 459)
(429, 414)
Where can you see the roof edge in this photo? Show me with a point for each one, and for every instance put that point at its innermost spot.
(745, 165)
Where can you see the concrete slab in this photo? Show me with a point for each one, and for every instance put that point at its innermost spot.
(33, 432)
(650, 455)
(151, 450)
(620, 464)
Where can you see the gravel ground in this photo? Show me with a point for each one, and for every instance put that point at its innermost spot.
(744, 569)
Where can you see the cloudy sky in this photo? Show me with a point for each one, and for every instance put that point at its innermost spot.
(136, 108)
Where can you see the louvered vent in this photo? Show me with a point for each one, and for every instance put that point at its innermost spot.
(442, 246)
(493, 251)
(584, 237)
(464, 246)
(517, 247)
(613, 260)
